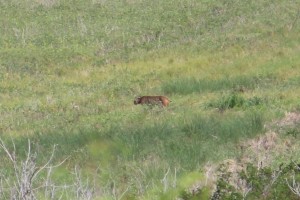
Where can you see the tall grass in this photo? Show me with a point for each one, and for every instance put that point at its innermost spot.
(106, 32)
(190, 141)
(71, 69)
(190, 85)
(185, 144)
(235, 100)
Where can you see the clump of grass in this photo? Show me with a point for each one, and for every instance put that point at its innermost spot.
(235, 100)
(295, 132)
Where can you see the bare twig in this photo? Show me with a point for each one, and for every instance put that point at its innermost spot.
(25, 174)
(165, 180)
(295, 20)
(2, 145)
(295, 186)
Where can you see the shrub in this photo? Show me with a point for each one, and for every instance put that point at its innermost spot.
(258, 183)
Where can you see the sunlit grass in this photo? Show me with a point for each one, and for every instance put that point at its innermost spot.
(69, 74)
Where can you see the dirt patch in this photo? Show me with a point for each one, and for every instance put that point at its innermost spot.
(265, 150)
(259, 151)
(290, 119)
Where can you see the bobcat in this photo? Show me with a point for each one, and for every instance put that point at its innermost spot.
(152, 100)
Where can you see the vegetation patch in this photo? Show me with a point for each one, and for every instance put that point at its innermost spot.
(192, 85)
(260, 171)
(235, 100)
(259, 183)
(70, 71)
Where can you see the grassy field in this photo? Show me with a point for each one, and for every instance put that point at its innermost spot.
(70, 71)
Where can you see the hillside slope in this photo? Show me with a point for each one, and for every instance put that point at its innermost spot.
(71, 69)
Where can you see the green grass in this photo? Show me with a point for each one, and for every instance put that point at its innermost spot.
(71, 69)
(190, 85)
(235, 100)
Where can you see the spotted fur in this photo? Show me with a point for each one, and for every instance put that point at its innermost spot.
(152, 100)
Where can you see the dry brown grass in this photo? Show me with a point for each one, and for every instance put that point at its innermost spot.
(47, 3)
(290, 119)
(262, 151)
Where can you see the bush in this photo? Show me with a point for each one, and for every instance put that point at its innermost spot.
(259, 183)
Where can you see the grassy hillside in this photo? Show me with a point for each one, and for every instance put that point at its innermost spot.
(71, 69)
